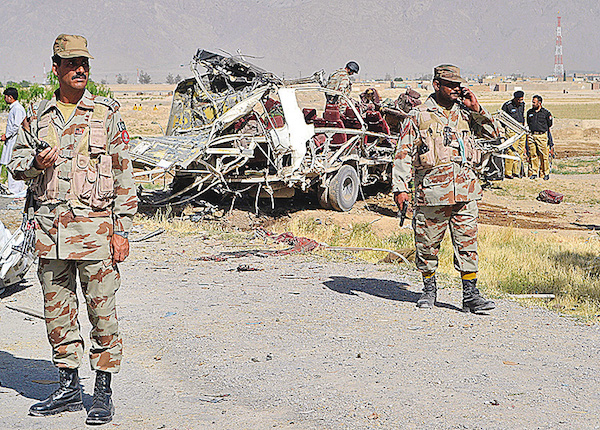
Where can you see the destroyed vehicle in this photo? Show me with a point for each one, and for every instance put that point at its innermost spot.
(238, 129)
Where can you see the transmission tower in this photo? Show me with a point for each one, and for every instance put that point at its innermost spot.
(559, 68)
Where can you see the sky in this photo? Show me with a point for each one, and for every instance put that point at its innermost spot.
(297, 37)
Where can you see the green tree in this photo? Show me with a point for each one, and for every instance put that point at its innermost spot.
(92, 87)
(145, 78)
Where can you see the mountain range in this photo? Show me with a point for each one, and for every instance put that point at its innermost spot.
(292, 37)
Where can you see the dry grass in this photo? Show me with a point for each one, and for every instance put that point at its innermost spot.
(571, 110)
(511, 261)
(576, 165)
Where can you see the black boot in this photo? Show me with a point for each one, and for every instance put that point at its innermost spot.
(472, 299)
(102, 410)
(66, 398)
(427, 299)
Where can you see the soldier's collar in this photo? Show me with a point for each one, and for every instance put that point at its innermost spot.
(433, 106)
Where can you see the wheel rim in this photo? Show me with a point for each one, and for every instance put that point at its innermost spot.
(348, 189)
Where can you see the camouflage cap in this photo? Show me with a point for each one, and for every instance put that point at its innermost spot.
(448, 72)
(71, 46)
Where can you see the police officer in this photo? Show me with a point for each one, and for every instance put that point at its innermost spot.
(437, 141)
(539, 120)
(516, 109)
(74, 151)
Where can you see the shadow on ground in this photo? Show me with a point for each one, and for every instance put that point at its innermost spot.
(385, 289)
(13, 289)
(32, 378)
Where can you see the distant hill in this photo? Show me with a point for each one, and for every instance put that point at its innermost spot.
(301, 36)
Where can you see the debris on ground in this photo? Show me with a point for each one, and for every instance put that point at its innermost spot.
(549, 196)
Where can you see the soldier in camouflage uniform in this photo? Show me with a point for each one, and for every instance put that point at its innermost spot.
(340, 81)
(74, 153)
(437, 148)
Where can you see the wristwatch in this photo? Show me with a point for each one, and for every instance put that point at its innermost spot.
(123, 234)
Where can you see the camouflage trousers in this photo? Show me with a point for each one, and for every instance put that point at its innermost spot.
(513, 167)
(430, 223)
(538, 149)
(99, 280)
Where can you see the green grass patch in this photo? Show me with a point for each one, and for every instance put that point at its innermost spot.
(576, 165)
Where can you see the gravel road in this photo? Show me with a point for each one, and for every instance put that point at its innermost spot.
(307, 343)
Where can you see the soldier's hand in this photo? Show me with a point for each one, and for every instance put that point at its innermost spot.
(400, 198)
(46, 158)
(469, 99)
(119, 248)
(3, 138)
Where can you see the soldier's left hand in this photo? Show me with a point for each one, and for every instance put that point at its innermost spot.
(3, 138)
(469, 99)
(119, 248)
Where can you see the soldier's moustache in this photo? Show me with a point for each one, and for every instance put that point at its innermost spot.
(78, 76)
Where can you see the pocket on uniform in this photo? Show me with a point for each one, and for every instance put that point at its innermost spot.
(97, 138)
(426, 151)
(438, 176)
(105, 178)
(81, 183)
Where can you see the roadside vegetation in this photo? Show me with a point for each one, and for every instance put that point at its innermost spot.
(31, 93)
(512, 261)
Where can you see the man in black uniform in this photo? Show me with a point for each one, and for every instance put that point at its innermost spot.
(516, 109)
(539, 121)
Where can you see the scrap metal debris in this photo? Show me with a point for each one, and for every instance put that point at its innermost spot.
(148, 236)
(237, 129)
(247, 268)
(297, 245)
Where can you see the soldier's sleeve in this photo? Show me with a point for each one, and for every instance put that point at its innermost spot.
(21, 162)
(483, 124)
(402, 169)
(125, 204)
(550, 120)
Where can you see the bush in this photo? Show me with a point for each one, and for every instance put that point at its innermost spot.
(34, 92)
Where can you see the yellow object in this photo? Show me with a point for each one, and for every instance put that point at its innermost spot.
(538, 148)
(66, 109)
(513, 167)
(469, 276)
(428, 275)
(155, 108)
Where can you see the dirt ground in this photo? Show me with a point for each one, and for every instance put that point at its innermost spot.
(304, 342)
(307, 343)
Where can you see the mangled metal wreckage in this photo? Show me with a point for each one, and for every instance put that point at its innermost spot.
(237, 128)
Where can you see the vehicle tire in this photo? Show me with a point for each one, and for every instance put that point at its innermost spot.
(323, 196)
(343, 189)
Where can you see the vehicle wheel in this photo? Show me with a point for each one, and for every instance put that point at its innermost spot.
(343, 189)
(323, 196)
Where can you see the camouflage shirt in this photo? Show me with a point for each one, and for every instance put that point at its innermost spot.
(93, 192)
(437, 147)
(340, 81)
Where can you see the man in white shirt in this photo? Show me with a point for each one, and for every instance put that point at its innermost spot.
(16, 115)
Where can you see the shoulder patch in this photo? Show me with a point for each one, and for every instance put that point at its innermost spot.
(110, 103)
(121, 126)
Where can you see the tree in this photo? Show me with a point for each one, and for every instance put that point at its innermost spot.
(170, 79)
(92, 87)
(177, 79)
(121, 79)
(145, 78)
(24, 84)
